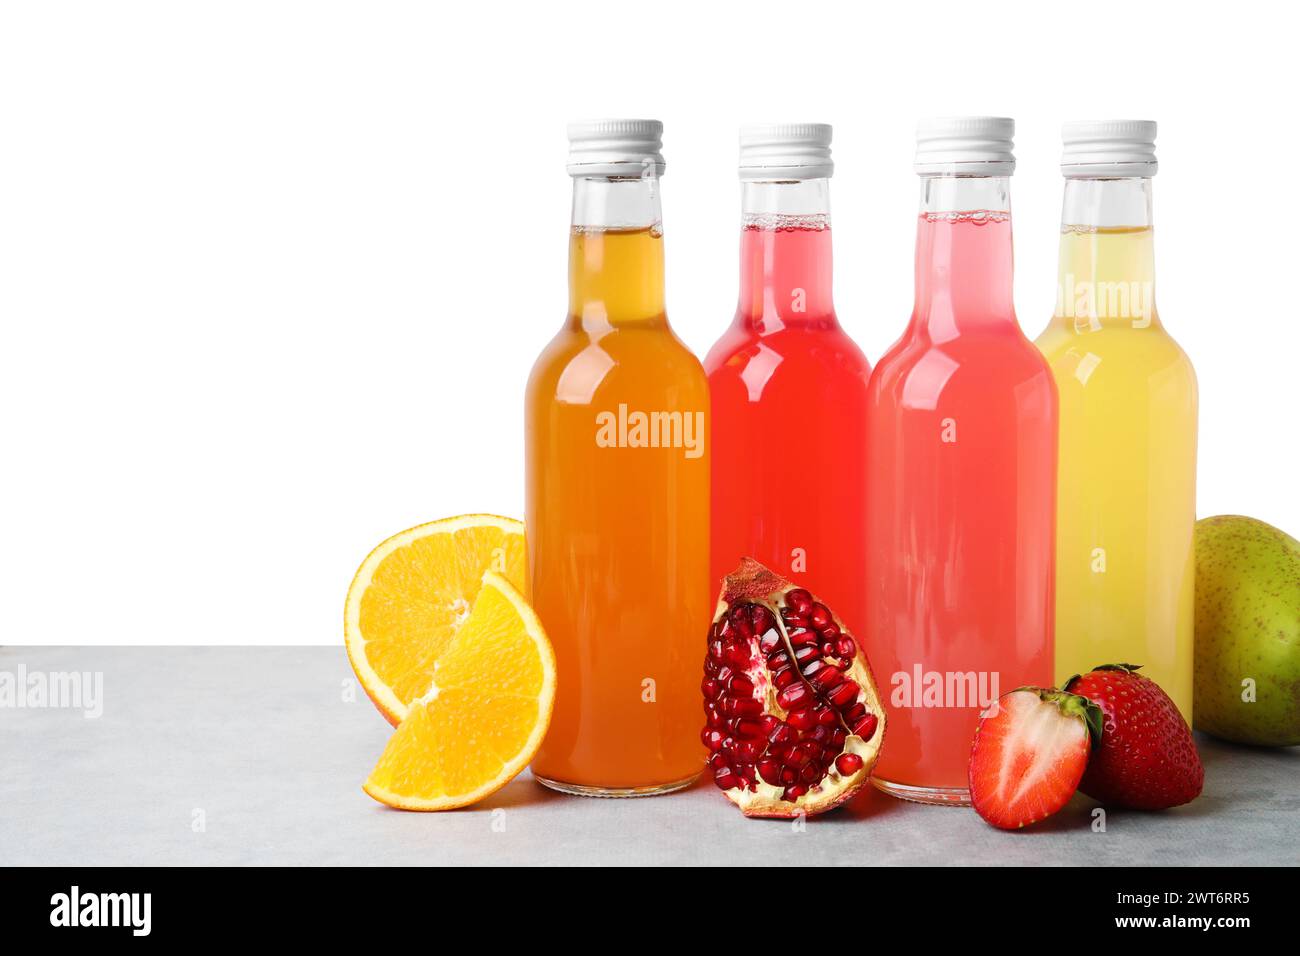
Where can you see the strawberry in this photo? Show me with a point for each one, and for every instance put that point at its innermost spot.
(1146, 759)
(1030, 751)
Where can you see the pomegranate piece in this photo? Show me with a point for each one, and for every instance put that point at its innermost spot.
(794, 721)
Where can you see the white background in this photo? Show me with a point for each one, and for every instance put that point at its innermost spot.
(272, 275)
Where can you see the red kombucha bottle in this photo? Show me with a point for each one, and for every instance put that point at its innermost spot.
(788, 386)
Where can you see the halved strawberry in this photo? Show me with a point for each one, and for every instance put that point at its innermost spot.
(1030, 751)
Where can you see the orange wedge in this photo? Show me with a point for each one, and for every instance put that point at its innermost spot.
(412, 595)
(483, 714)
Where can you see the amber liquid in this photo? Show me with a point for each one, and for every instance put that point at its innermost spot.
(618, 530)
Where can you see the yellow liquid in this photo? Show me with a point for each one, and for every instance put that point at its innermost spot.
(618, 531)
(1127, 478)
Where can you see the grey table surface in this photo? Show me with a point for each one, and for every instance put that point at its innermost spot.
(241, 755)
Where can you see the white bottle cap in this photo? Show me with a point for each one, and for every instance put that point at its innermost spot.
(778, 151)
(616, 147)
(970, 145)
(1108, 149)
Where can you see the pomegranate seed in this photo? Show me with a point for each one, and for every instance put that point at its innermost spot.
(812, 667)
(803, 638)
(796, 758)
(739, 619)
(712, 738)
(826, 716)
(802, 719)
(742, 707)
(715, 650)
(828, 678)
(788, 776)
(810, 747)
(798, 599)
(726, 779)
(737, 655)
(866, 727)
(750, 728)
(717, 761)
(846, 647)
(714, 718)
(828, 649)
(794, 620)
(770, 724)
(806, 654)
(783, 677)
(855, 713)
(793, 793)
(810, 774)
(761, 619)
(795, 697)
(821, 733)
(831, 631)
(741, 686)
(848, 764)
(783, 734)
(770, 641)
(819, 617)
(841, 696)
(710, 688)
(770, 770)
(778, 660)
(838, 736)
(747, 751)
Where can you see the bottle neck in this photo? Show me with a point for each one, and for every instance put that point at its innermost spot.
(963, 256)
(616, 253)
(1107, 275)
(785, 255)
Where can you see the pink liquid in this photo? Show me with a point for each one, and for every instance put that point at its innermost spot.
(962, 436)
(789, 403)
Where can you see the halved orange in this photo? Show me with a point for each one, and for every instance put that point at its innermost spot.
(483, 714)
(412, 595)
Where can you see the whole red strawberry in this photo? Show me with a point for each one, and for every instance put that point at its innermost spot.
(1146, 759)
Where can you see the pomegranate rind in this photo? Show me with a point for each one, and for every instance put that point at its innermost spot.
(753, 583)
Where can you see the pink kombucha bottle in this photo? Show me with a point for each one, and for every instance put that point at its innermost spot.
(962, 431)
(788, 386)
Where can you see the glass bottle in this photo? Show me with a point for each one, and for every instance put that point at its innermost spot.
(1127, 484)
(617, 472)
(789, 387)
(962, 431)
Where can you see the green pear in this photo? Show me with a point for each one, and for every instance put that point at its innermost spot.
(1247, 680)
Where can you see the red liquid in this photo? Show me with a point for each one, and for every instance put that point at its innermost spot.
(789, 400)
(962, 437)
